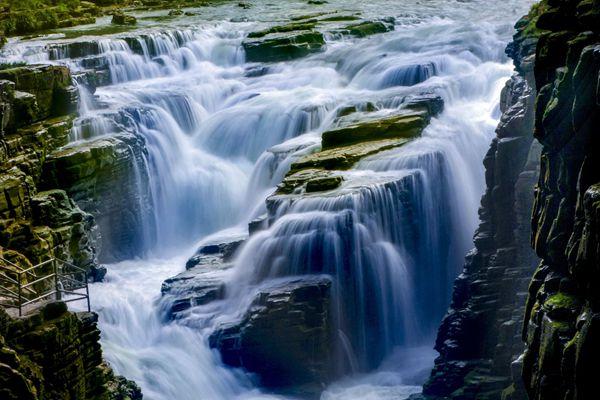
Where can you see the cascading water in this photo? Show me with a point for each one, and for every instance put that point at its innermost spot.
(220, 134)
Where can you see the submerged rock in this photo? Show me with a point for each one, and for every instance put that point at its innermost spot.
(285, 336)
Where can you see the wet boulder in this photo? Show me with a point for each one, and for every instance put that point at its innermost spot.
(123, 19)
(291, 27)
(196, 286)
(285, 46)
(223, 250)
(352, 130)
(368, 28)
(430, 103)
(285, 337)
(203, 280)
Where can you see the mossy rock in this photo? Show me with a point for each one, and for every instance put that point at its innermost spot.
(26, 108)
(50, 84)
(175, 12)
(67, 23)
(123, 19)
(17, 189)
(406, 125)
(562, 306)
(310, 180)
(283, 46)
(340, 18)
(342, 158)
(291, 27)
(368, 28)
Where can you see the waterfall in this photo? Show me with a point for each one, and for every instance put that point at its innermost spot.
(219, 134)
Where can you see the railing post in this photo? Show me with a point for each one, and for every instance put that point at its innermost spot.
(56, 283)
(19, 300)
(87, 292)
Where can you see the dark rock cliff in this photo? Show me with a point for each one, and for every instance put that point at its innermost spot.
(50, 353)
(37, 105)
(55, 354)
(562, 318)
(493, 343)
(480, 336)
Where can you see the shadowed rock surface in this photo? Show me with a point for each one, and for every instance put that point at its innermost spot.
(55, 354)
(297, 308)
(203, 280)
(555, 50)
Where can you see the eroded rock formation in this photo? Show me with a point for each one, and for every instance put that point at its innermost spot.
(555, 51)
(50, 353)
(55, 354)
(286, 334)
(562, 315)
(38, 222)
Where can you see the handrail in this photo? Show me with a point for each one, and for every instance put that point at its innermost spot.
(64, 282)
(12, 264)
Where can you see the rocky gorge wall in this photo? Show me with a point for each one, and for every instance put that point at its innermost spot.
(38, 105)
(513, 331)
(562, 317)
(50, 353)
(55, 354)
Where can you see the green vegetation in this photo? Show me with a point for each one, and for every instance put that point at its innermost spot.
(25, 17)
(21, 17)
(561, 300)
(530, 20)
(10, 65)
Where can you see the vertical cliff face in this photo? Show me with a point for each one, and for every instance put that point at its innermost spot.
(37, 105)
(557, 54)
(479, 338)
(55, 355)
(562, 320)
(51, 353)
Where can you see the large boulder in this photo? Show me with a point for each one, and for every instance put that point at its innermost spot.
(285, 336)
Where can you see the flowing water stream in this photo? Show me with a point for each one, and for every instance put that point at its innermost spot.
(221, 134)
